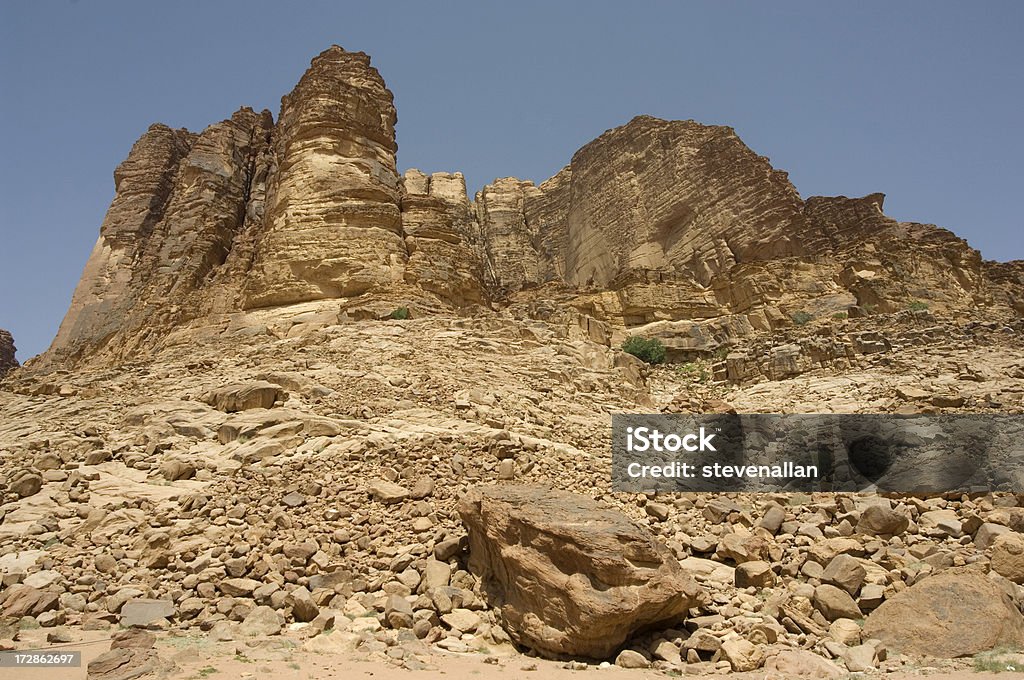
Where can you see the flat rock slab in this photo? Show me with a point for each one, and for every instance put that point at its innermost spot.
(143, 612)
(570, 577)
(958, 612)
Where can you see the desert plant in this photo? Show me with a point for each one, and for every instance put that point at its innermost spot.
(839, 316)
(401, 313)
(646, 349)
(998, 660)
(802, 317)
(918, 306)
(693, 372)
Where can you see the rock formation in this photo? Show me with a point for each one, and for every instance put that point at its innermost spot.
(653, 222)
(7, 353)
(442, 238)
(182, 204)
(332, 227)
(296, 387)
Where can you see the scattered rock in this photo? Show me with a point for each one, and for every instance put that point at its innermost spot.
(261, 622)
(742, 655)
(387, 492)
(143, 612)
(878, 520)
(955, 613)
(755, 573)
(24, 600)
(1008, 556)
(629, 658)
(834, 603)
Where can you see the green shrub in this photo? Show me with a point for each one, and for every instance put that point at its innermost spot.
(998, 660)
(839, 316)
(401, 313)
(646, 349)
(693, 372)
(918, 306)
(802, 317)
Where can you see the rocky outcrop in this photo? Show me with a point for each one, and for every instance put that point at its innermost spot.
(266, 226)
(677, 196)
(333, 224)
(181, 201)
(569, 576)
(8, 361)
(511, 241)
(442, 238)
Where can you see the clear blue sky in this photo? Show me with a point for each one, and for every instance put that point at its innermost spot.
(921, 100)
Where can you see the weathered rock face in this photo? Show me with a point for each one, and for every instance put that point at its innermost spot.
(677, 196)
(952, 614)
(512, 251)
(569, 576)
(333, 224)
(442, 238)
(182, 200)
(7, 353)
(654, 222)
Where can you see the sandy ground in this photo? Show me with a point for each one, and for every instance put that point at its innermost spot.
(198, 658)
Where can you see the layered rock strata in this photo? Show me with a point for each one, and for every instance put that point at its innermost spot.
(653, 222)
(333, 225)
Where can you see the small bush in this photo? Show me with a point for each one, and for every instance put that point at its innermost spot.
(401, 313)
(802, 317)
(839, 316)
(918, 306)
(997, 660)
(693, 372)
(646, 349)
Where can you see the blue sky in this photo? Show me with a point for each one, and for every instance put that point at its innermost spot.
(921, 100)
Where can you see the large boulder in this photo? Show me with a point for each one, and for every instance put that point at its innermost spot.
(958, 612)
(568, 576)
(1008, 556)
(24, 600)
(242, 397)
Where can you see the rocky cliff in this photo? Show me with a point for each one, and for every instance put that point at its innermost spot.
(260, 224)
(7, 352)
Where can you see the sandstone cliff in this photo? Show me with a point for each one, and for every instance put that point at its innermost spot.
(333, 223)
(263, 225)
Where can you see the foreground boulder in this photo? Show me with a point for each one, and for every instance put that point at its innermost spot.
(952, 614)
(569, 577)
